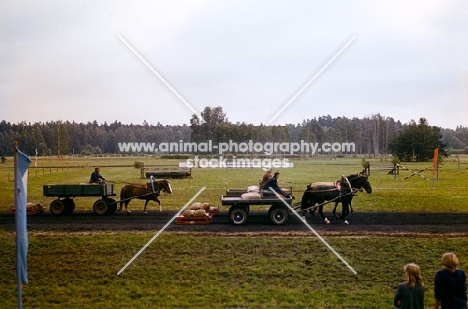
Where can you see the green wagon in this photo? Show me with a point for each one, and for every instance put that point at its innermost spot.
(65, 193)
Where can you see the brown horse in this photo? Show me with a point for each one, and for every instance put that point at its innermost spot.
(149, 192)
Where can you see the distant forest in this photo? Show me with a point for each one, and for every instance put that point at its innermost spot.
(372, 135)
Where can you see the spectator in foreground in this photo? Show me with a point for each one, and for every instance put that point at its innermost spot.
(410, 294)
(450, 284)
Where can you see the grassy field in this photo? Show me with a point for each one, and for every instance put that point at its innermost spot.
(79, 270)
(187, 271)
(413, 194)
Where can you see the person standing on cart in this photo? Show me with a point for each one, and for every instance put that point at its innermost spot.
(272, 185)
(96, 176)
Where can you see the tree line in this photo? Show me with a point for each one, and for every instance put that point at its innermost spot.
(373, 136)
(67, 138)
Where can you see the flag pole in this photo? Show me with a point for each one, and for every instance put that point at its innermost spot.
(17, 234)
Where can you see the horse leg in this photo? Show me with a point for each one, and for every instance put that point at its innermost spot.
(325, 219)
(121, 203)
(144, 209)
(304, 212)
(126, 207)
(344, 212)
(160, 207)
(313, 210)
(305, 203)
(334, 209)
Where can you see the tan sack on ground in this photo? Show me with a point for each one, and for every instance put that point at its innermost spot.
(196, 206)
(200, 213)
(189, 213)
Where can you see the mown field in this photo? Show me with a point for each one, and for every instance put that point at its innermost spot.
(196, 270)
(413, 194)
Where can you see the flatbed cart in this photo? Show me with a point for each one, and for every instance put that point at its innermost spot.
(65, 204)
(240, 208)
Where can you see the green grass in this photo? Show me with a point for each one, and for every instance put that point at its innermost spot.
(79, 270)
(187, 271)
(389, 195)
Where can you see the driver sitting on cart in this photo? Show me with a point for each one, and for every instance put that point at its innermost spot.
(96, 177)
(272, 185)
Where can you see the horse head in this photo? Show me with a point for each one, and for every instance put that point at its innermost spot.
(166, 186)
(160, 185)
(360, 182)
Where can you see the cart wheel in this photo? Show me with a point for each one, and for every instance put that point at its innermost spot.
(100, 207)
(278, 215)
(57, 207)
(69, 205)
(112, 206)
(238, 216)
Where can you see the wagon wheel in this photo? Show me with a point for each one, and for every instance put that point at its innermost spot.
(238, 215)
(57, 207)
(278, 215)
(69, 205)
(100, 207)
(272, 207)
(112, 206)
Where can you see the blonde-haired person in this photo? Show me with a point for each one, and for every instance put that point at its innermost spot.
(410, 294)
(450, 284)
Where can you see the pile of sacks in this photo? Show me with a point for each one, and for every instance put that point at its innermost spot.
(31, 209)
(197, 210)
(253, 193)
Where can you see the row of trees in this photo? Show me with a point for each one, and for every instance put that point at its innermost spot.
(371, 135)
(57, 138)
(375, 135)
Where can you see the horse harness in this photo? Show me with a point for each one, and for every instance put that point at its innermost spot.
(153, 191)
(337, 186)
(152, 183)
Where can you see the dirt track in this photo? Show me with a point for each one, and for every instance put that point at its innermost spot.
(361, 224)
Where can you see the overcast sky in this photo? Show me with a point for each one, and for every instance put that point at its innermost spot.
(73, 60)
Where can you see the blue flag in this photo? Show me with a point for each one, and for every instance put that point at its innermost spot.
(20, 211)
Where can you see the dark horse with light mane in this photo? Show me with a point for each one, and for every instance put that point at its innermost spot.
(339, 191)
(149, 192)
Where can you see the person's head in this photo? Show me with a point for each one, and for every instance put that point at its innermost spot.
(97, 169)
(413, 274)
(276, 175)
(449, 261)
